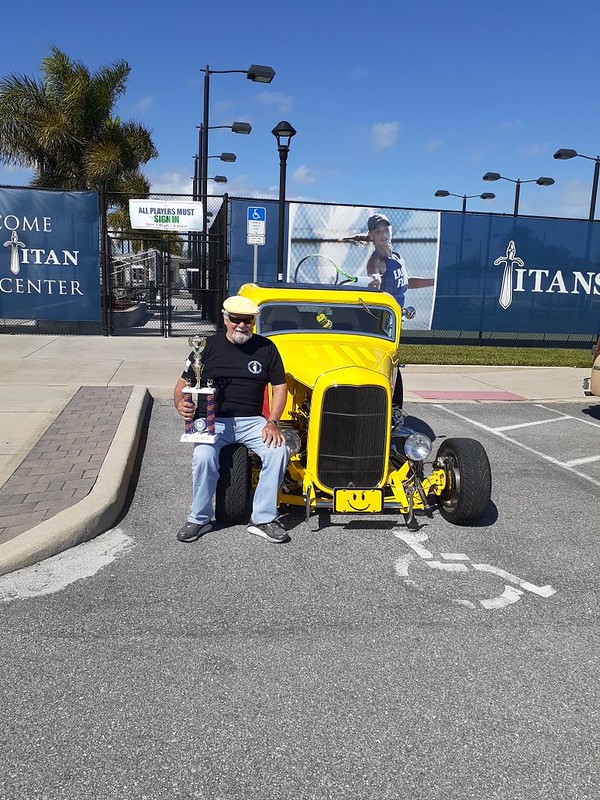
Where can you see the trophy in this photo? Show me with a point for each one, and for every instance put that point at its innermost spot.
(200, 429)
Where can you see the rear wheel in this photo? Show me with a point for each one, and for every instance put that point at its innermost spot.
(233, 486)
(468, 493)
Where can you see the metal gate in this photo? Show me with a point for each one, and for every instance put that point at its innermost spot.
(166, 285)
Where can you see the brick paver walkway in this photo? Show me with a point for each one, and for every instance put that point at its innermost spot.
(63, 466)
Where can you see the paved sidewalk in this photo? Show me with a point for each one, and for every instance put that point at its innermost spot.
(72, 410)
(62, 468)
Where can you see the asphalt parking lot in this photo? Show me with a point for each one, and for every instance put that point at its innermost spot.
(360, 660)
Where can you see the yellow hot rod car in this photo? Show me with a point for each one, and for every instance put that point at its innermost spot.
(350, 451)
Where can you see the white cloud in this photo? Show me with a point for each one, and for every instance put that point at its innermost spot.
(304, 174)
(281, 102)
(573, 200)
(171, 183)
(145, 103)
(535, 149)
(384, 134)
(508, 126)
(221, 109)
(432, 145)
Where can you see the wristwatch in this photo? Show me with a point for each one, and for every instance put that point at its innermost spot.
(272, 422)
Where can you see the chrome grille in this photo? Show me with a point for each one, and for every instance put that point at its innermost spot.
(354, 427)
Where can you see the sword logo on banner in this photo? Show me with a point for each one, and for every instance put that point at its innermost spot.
(508, 261)
(14, 245)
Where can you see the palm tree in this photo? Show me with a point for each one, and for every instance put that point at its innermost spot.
(63, 129)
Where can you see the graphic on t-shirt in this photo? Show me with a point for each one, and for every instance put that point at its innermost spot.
(255, 367)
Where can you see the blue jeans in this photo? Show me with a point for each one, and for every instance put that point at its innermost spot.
(205, 469)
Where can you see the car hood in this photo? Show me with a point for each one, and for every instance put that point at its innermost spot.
(305, 357)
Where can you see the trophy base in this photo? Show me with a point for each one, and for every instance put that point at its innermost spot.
(198, 437)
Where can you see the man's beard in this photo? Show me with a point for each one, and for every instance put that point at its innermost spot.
(240, 337)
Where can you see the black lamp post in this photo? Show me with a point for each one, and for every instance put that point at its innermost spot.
(465, 197)
(564, 154)
(257, 73)
(495, 176)
(283, 132)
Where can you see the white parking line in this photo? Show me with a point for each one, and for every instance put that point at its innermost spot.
(575, 461)
(568, 416)
(533, 451)
(530, 424)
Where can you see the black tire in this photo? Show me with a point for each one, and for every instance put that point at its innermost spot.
(467, 496)
(398, 393)
(233, 486)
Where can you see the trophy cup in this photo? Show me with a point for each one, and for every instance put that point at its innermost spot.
(200, 429)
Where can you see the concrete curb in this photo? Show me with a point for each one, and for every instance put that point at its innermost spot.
(98, 510)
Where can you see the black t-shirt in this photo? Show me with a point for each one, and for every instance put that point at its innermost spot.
(239, 372)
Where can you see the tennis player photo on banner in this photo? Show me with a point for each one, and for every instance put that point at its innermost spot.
(393, 250)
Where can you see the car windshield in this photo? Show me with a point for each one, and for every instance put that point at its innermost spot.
(363, 318)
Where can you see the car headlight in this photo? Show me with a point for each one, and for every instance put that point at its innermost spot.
(292, 441)
(417, 447)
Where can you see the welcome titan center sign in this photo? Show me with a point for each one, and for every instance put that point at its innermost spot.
(49, 255)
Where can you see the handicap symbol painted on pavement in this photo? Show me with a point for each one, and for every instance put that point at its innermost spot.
(473, 577)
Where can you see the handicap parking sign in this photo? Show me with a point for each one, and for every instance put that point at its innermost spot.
(256, 224)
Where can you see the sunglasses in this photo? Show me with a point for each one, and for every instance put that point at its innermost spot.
(238, 320)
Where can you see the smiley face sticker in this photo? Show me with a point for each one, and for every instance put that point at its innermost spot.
(358, 501)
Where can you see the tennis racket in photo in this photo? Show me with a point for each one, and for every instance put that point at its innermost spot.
(315, 268)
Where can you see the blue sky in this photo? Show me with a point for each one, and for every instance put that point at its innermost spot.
(391, 100)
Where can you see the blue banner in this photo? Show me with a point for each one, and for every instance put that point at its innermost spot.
(460, 271)
(515, 274)
(49, 255)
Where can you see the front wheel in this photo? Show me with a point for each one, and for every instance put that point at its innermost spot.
(468, 491)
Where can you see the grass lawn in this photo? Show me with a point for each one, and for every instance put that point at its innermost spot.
(495, 356)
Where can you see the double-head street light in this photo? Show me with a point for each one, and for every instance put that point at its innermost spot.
(236, 127)
(227, 157)
(283, 132)
(465, 197)
(256, 73)
(495, 176)
(564, 154)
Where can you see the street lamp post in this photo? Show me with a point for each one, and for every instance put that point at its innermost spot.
(257, 73)
(283, 132)
(564, 154)
(465, 197)
(495, 176)
(198, 242)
